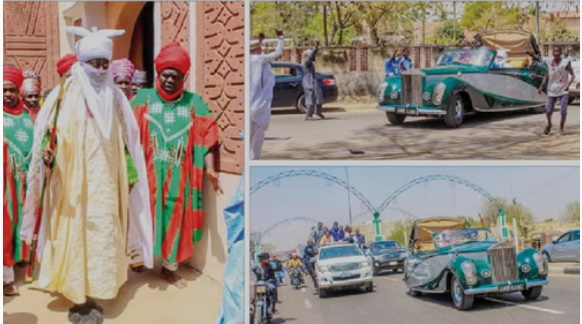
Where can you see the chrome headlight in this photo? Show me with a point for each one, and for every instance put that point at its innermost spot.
(470, 272)
(381, 90)
(437, 95)
(541, 263)
(486, 273)
(525, 268)
(323, 268)
(394, 94)
(426, 96)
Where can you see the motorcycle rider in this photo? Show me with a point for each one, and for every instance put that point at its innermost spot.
(265, 271)
(278, 269)
(310, 254)
(295, 262)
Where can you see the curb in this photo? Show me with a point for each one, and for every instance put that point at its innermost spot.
(570, 269)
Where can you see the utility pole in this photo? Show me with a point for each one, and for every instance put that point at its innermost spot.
(349, 195)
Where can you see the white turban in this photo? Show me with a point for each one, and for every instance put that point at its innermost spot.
(94, 44)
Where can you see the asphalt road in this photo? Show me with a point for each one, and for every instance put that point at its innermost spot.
(390, 303)
(362, 132)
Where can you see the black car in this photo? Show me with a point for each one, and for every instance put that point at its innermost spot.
(386, 255)
(289, 90)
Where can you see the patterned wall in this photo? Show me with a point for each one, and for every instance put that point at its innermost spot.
(175, 23)
(31, 38)
(220, 46)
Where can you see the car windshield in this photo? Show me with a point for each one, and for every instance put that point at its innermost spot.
(339, 252)
(479, 57)
(381, 246)
(450, 237)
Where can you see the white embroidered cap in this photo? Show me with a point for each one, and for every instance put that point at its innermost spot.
(94, 44)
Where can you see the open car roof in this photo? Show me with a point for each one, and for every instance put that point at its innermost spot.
(423, 229)
(520, 45)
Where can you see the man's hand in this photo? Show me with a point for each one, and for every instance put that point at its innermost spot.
(279, 32)
(213, 178)
(47, 157)
(261, 37)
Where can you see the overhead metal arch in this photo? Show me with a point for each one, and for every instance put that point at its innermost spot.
(436, 177)
(403, 211)
(315, 174)
(286, 221)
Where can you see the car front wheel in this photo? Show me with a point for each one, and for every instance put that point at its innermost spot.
(322, 293)
(395, 119)
(461, 301)
(532, 293)
(414, 293)
(300, 105)
(455, 111)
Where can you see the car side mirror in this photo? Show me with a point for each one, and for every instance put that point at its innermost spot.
(554, 241)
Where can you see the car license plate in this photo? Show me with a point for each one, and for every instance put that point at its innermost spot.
(393, 263)
(345, 275)
(511, 288)
(401, 111)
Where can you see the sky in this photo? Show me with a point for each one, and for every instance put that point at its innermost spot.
(543, 190)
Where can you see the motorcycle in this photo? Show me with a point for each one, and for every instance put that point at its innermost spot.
(296, 278)
(261, 304)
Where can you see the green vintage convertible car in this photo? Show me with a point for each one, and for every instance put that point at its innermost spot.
(445, 255)
(467, 81)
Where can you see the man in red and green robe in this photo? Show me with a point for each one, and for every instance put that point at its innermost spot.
(18, 134)
(179, 135)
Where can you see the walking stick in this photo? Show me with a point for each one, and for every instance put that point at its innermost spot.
(38, 211)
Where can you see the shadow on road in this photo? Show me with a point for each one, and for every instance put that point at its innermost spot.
(480, 304)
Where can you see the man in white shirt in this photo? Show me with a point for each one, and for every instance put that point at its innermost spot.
(559, 77)
(262, 84)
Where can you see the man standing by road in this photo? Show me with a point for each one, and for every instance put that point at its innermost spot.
(336, 232)
(90, 179)
(310, 254)
(262, 84)
(179, 137)
(311, 87)
(558, 79)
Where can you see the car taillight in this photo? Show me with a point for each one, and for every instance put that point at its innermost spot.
(329, 81)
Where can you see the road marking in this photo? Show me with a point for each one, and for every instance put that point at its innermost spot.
(540, 309)
(307, 304)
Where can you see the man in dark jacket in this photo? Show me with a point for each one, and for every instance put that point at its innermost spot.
(310, 254)
(265, 271)
(311, 88)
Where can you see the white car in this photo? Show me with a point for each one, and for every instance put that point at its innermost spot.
(343, 266)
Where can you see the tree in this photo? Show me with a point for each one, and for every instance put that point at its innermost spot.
(448, 33)
(471, 221)
(522, 215)
(341, 19)
(402, 231)
(372, 15)
(571, 212)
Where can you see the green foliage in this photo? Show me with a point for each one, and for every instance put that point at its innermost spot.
(560, 32)
(448, 33)
(471, 221)
(401, 231)
(515, 210)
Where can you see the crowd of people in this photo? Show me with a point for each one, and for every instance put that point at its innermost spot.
(103, 174)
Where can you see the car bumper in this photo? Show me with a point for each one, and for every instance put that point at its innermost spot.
(513, 287)
(388, 264)
(330, 93)
(411, 110)
(329, 280)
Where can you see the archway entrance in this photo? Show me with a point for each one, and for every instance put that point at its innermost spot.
(141, 51)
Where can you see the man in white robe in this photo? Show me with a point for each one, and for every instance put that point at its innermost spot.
(262, 84)
(95, 208)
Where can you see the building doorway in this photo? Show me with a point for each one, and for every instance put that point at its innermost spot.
(142, 42)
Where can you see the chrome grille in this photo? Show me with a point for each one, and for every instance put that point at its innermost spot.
(503, 262)
(412, 87)
(345, 267)
(356, 276)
